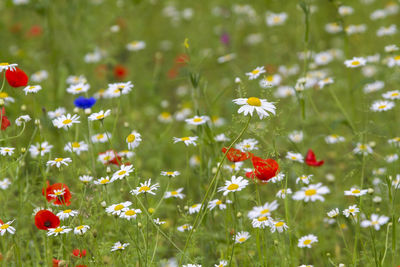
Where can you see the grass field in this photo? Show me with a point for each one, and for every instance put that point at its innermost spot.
(199, 133)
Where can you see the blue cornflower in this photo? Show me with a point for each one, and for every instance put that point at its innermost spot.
(84, 103)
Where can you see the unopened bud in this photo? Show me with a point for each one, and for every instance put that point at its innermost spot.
(103, 204)
(126, 124)
(37, 122)
(108, 169)
(88, 111)
(23, 107)
(151, 210)
(370, 190)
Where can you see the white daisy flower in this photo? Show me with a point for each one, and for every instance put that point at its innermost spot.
(58, 231)
(118, 89)
(307, 241)
(101, 137)
(333, 213)
(295, 157)
(274, 19)
(145, 187)
(218, 203)
(76, 79)
(22, 119)
(78, 88)
(103, 181)
(283, 192)
(247, 145)
(170, 173)
(7, 151)
(197, 120)
(241, 237)
(116, 209)
(306, 179)
(355, 62)
(362, 149)
(270, 81)
(334, 138)
(119, 246)
(158, 221)
(129, 213)
(351, 210)
(382, 105)
(221, 263)
(6, 227)
(65, 214)
(81, 229)
(185, 227)
(5, 183)
(296, 136)
(264, 210)
(99, 115)
(312, 192)
(188, 140)
(176, 194)
(66, 122)
(133, 140)
(31, 89)
(221, 138)
(195, 208)
(234, 185)
(85, 178)
(39, 76)
(58, 162)
(279, 226)
(123, 172)
(7, 66)
(136, 45)
(392, 95)
(375, 221)
(76, 147)
(261, 222)
(255, 73)
(56, 113)
(355, 192)
(251, 104)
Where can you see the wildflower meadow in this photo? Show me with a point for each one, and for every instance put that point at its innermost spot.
(199, 133)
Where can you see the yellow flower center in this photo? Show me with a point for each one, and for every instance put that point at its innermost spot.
(99, 117)
(256, 71)
(307, 242)
(80, 227)
(262, 218)
(242, 239)
(277, 19)
(197, 119)
(355, 63)
(310, 192)
(100, 136)
(4, 64)
(4, 226)
(58, 230)
(67, 121)
(58, 159)
(119, 207)
(397, 57)
(3, 95)
(130, 213)
(174, 193)
(170, 173)
(165, 115)
(104, 181)
(144, 188)
(382, 106)
(232, 187)
(185, 138)
(75, 145)
(374, 222)
(184, 226)
(269, 78)
(395, 94)
(351, 210)
(131, 138)
(265, 211)
(67, 211)
(279, 224)
(121, 172)
(219, 202)
(194, 206)
(254, 101)
(356, 191)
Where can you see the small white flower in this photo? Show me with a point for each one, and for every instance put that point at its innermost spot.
(382, 105)
(307, 241)
(295, 157)
(251, 104)
(32, 89)
(355, 192)
(313, 192)
(176, 194)
(119, 246)
(116, 209)
(22, 119)
(351, 210)
(241, 237)
(255, 73)
(58, 162)
(58, 231)
(375, 221)
(81, 229)
(65, 214)
(6, 227)
(355, 62)
(99, 115)
(66, 122)
(188, 140)
(123, 172)
(145, 187)
(234, 185)
(333, 213)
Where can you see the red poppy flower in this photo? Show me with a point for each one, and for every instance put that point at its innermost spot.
(311, 159)
(17, 77)
(110, 157)
(4, 120)
(264, 169)
(236, 155)
(181, 60)
(78, 253)
(120, 72)
(45, 219)
(172, 73)
(58, 193)
(35, 30)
